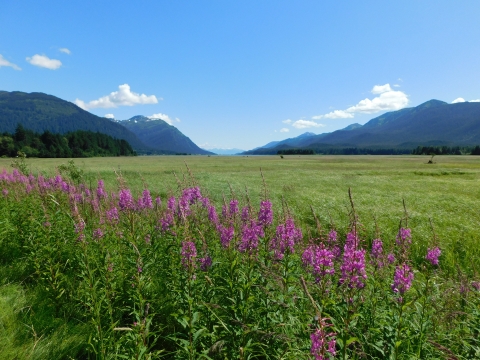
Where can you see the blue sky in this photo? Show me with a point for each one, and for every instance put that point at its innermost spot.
(243, 73)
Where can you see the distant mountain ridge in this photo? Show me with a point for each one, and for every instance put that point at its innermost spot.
(40, 112)
(232, 151)
(431, 123)
(159, 135)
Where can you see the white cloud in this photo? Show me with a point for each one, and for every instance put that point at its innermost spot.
(163, 117)
(177, 119)
(380, 89)
(476, 100)
(109, 116)
(338, 114)
(5, 62)
(458, 100)
(284, 130)
(288, 121)
(389, 100)
(304, 124)
(65, 50)
(44, 61)
(396, 85)
(122, 97)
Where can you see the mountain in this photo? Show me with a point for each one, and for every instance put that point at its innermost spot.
(40, 112)
(159, 135)
(232, 151)
(431, 123)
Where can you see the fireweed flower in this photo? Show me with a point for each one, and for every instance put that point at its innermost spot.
(166, 221)
(145, 202)
(476, 285)
(286, 237)
(189, 253)
(250, 237)
(377, 252)
(184, 206)
(433, 255)
(205, 263)
(353, 268)
(265, 215)
(402, 279)
(226, 235)
(245, 214)
(101, 193)
(172, 203)
(125, 200)
(158, 201)
(233, 207)
(212, 214)
(98, 234)
(323, 342)
(404, 237)
(332, 237)
(112, 215)
(319, 261)
(5, 192)
(391, 258)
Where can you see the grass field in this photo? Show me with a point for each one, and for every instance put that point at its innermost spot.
(89, 274)
(447, 192)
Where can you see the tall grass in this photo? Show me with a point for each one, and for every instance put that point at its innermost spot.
(185, 273)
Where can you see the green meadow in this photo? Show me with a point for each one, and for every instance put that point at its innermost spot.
(446, 192)
(89, 272)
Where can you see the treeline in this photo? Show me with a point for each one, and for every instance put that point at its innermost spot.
(344, 151)
(73, 144)
(446, 150)
(296, 152)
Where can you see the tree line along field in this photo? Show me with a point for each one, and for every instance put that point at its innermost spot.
(194, 257)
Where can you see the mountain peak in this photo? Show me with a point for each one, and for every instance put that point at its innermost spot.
(431, 103)
(306, 134)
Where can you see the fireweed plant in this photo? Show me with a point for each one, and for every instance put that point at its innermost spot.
(137, 276)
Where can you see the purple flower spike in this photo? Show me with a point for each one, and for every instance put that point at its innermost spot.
(233, 207)
(402, 280)
(212, 214)
(189, 253)
(5, 192)
(226, 235)
(353, 268)
(112, 215)
(323, 342)
(377, 252)
(147, 200)
(404, 237)
(250, 236)
(433, 255)
(98, 234)
(286, 237)
(319, 261)
(391, 258)
(332, 237)
(265, 215)
(125, 200)
(101, 193)
(205, 263)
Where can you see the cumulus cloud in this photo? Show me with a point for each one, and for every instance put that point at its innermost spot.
(65, 50)
(387, 100)
(284, 130)
(123, 97)
(304, 124)
(338, 114)
(380, 89)
(109, 116)
(5, 62)
(476, 100)
(163, 117)
(44, 62)
(458, 100)
(288, 121)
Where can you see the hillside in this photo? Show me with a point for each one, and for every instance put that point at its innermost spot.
(40, 112)
(431, 123)
(159, 135)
